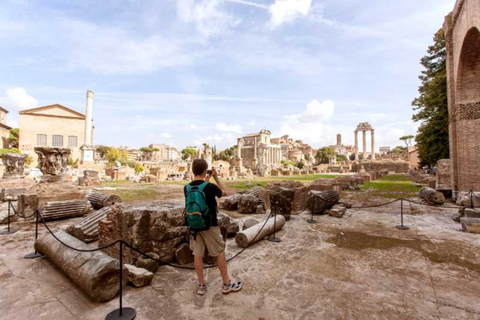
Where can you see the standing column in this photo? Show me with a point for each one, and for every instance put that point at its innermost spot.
(88, 119)
(373, 144)
(356, 145)
(364, 145)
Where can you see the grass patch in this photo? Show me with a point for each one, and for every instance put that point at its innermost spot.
(392, 186)
(128, 195)
(242, 184)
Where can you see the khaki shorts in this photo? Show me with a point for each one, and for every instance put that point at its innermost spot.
(211, 238)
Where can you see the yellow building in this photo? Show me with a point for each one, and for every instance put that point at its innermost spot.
(4, 129)
(52, 126)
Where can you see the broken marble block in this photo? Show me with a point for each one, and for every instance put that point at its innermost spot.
(183, 254)
(471, 225)
(231, 203)
(260, 209)
(281, 200)
(147, 263)
(247, 204)
(337, 211)
(139, 277)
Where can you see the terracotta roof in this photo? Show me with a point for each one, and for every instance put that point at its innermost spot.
(53, 106)
(3, 109)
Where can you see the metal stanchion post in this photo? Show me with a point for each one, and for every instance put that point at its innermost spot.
(121, 313)
(311, 220)
(35, 254)
(8, 221)
(401, 226)
(471, 199)
(273, 238)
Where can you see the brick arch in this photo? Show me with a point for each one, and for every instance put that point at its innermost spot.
(467, 111)
(468, 83)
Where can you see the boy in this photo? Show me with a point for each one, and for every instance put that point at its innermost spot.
(211, 238)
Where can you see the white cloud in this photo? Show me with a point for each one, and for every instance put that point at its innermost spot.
(17, 99)
(285, 11)
(252, 123)
(233, 128)
(166, 135)
(191, 126)
(208, 16)
(315, 111)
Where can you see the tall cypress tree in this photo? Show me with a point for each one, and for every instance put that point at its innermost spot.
(431, 107)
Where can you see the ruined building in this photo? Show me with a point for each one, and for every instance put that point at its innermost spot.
(295, 150)
(462, 32)
(4, 129)
(343, 150)
(255, 150)
(57, 126)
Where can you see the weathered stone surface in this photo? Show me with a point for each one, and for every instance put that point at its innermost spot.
(90, 179)
(53, 162)
(139, 277)
(471, 213)
(260, 209)
(432, 196)
(95, 272)
(471, 225)
(230, 203)
(231, 225)
(247, 204)
(100, 200)
(249, 223)
(4, 214)
(64, 209)
(14, 164)
(300, 193)
(87, 229)
(259, 231)
(320, 201)
(281, 200)
(147, 228)
(337, 211)
(183, 254)
(149, 264)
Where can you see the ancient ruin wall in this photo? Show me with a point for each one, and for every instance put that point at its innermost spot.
(462, 30)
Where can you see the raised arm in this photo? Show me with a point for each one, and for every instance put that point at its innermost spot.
(219, 183)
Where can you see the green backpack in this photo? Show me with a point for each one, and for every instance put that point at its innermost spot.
(197, 213)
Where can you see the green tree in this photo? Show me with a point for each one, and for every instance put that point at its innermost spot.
(103, 150)
(324, 154)
(431, 107)
(115, 154)
(13, 138)
(188, 153)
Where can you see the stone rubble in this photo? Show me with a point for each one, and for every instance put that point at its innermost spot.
(139, 277)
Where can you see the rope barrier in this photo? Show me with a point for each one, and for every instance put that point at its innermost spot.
(376, 205)
(142, 253)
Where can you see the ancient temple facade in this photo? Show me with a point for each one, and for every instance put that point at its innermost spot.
(462, 33)
(256, 149)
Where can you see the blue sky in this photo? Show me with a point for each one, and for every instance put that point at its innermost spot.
(183, 72)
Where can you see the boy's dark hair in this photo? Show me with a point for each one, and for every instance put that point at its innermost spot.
(199, 166)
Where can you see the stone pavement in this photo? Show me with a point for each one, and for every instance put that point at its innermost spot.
(357, 267)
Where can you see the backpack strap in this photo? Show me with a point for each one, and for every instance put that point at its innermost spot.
(202, 186)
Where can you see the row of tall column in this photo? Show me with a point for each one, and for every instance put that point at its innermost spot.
(365, 144)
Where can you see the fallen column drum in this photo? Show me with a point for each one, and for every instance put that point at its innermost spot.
(95, 272)
(246, 237)
(432, 196)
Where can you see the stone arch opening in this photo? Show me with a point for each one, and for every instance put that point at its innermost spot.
(467, 112)
(468, 84)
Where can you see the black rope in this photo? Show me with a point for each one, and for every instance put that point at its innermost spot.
(376, 205)
(75, 249)
(438, 206)
(142, 253)
(11, 206)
